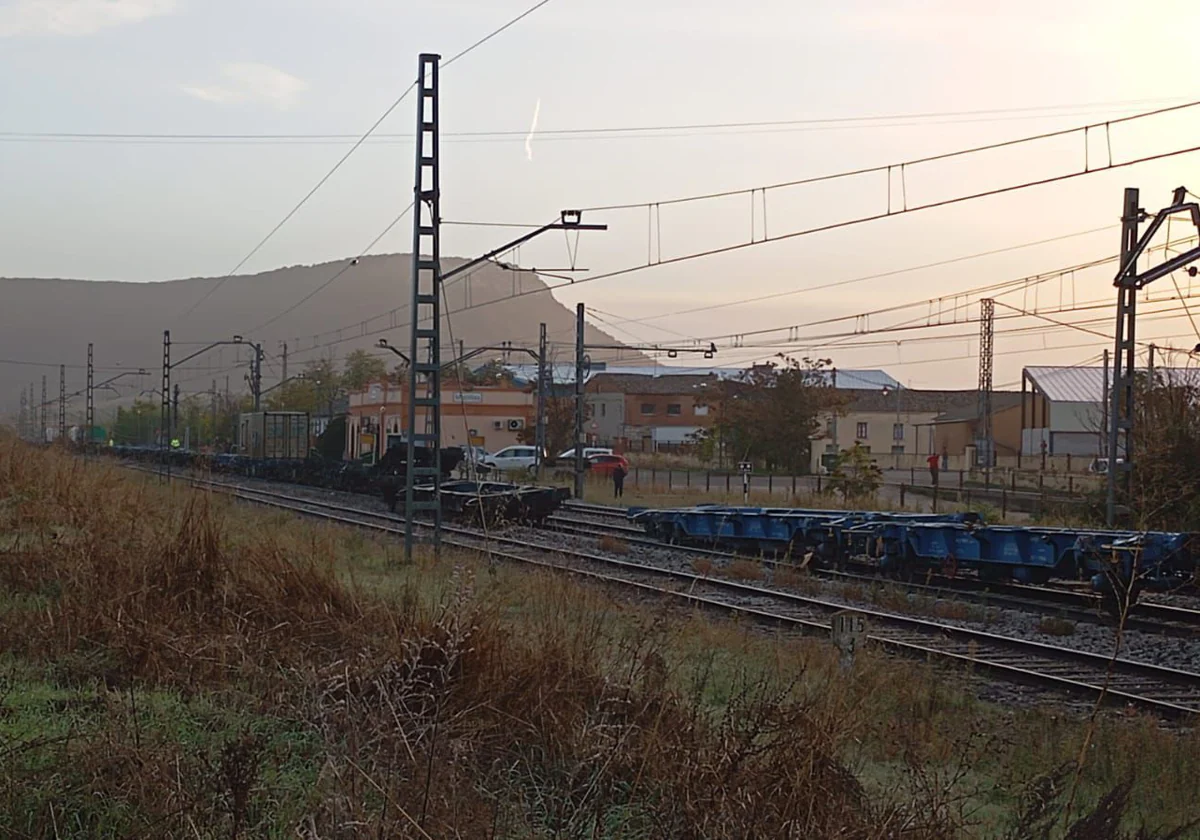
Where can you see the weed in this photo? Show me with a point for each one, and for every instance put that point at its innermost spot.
(702, 566)
(613, 545)
(196, 669)
(1055, 626)
(742, 569)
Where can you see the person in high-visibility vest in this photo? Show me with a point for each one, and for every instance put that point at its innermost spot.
(174, 443)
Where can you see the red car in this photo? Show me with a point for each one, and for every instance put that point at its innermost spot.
(607, 464)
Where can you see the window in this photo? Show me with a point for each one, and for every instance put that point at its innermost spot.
(603, 408)
(897, 431)
(898, 450)
(861, 432)
(674, 409)
(647, 408)
(701, 410)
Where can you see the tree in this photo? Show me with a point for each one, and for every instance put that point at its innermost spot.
(1165, 484)
(855, 476)
(560, 423)
(771, 412)
(295, 395)
(137, 424)
(360, 369)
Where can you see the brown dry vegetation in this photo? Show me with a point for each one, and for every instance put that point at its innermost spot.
(175, 666)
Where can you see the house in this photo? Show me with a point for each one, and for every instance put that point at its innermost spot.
(491, 416)
(648, 411)
(645, 413)
(957, 430)
(899, 422)
(1066, 408)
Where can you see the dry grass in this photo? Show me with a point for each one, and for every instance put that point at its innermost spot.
(702, 566)
(742, 569)
(177, 667)
(1055, 626)
(613, 545)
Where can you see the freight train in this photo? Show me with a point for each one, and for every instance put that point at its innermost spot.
(903, 545)
(472, 502)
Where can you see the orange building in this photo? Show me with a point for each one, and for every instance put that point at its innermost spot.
(491, 416)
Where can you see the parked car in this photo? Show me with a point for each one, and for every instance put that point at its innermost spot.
(588, 452)
(606, 464)
(511, 459)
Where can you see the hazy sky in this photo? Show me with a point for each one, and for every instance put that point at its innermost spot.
(154, 211)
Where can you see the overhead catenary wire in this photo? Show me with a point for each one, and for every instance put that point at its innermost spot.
(337, 274)
(899, 165)
(357, 145)
(719, 129)
(812, 230)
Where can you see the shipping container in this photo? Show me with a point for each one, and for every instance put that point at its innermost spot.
(274, 434)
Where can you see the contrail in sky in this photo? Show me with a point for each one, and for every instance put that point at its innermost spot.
(532, 129)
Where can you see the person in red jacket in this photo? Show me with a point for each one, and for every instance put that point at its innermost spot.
(933, 460)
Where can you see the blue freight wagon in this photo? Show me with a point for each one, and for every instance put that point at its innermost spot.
(903, 544)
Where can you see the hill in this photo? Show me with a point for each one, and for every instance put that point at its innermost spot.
(50, 321)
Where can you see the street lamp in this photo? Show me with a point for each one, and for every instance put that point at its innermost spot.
(383, 344)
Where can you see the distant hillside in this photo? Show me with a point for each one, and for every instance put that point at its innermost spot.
(52, 321)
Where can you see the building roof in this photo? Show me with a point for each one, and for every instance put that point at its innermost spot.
(920, 401)
(1086, 384)
(634, 383)
(1001, 401)
(565, 372)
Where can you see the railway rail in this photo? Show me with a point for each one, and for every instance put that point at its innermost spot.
(1050, 601)
(1165, 691)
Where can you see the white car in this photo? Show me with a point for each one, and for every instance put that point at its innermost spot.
(512, 459)
(588, 452)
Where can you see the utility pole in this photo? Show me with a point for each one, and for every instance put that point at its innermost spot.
(987, 315)
(540, 434)
(284, 357)
(62, 404)
(579, 363)
(213, 430)
(424, 346)
(22, 418)
(583, 365)
(1150, 366)
(256, 375)
(42, 430)
(174, 414)
(1124, 354)
(164, 417)
(1129, 282)
(1101, 448)
(91, 405)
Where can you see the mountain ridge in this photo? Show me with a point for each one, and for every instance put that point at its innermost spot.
(48, 321)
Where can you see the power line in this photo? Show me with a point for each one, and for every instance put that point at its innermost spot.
(336, 275)
(302, 201)
(599, 132)
(901, 164)
(358, 144)
(1087, 170)
(865, 277)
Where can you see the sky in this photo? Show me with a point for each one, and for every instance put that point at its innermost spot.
(147, 211)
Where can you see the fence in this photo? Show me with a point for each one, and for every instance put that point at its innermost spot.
(956, 489)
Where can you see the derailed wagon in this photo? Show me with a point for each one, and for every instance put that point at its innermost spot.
(903, 545)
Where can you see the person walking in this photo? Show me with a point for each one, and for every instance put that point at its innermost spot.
(933, 460)
(618, 475)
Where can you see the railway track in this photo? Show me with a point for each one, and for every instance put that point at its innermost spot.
(1055, 602)
(1166, 691)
